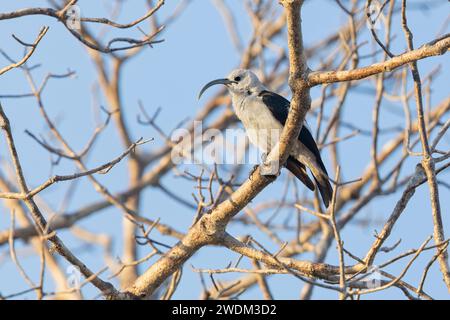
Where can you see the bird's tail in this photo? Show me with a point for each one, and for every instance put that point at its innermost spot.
(325, 189)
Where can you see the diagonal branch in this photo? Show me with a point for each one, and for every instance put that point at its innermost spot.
(29, 53)
(105, 287)
(211, 228)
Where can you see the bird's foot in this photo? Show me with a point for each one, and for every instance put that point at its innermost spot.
(266, 170)
(252, 171)
(269, 168)
(263, 157)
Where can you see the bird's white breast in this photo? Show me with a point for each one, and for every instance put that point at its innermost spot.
(263, 130)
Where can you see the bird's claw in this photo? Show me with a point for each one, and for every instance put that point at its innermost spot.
(253, 171)
(263, 157)
(271, 168)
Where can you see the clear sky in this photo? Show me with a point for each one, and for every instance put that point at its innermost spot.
(197, 49)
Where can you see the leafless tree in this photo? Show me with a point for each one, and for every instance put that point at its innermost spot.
(223, 196)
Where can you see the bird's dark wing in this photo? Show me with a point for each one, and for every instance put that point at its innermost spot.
(279, 107)
(307, 139)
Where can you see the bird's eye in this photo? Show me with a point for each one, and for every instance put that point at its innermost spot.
(237, 79)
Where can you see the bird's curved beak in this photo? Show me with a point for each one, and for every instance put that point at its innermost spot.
(214, 82)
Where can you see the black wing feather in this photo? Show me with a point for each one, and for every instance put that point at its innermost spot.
(279, 107)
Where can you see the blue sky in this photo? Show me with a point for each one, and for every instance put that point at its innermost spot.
(197, 49)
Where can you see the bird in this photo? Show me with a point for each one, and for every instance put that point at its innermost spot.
(262, 112)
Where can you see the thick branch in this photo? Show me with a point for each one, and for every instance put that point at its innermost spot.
(210, 228)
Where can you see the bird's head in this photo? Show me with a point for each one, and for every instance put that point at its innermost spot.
(239, 82)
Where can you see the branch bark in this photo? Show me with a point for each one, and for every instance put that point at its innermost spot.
(434, 48)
